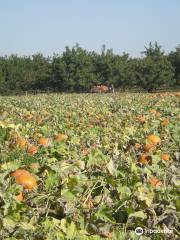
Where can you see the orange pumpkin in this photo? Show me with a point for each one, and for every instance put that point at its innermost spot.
(145, 159)
(165, 157)
(27, 181)
(155, 182)
(158, 114)
(141, 119)
(60, 137)
(28, 117)
(18, 172)
(153, 139)
(165, 122)
(20, 197)
(32, 150)
(43, 141)
(22, 142)
(137, 146)
(149, 147)
(152, 111)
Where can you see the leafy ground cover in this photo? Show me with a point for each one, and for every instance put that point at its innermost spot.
(90, 166)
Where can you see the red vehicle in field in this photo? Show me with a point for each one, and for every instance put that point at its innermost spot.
(102, 89)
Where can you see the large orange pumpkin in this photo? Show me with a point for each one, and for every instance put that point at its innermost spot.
(153, 139)
(18, 172)
(27, 181)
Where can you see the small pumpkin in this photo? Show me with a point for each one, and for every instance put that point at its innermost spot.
(141, 119)
(32, 150)
(165, 157)
(155, 182)
(137, 146)
(152, 111)
(43, 141)
(149, 147)
(60, 137)
(19, 197)
(145, 159)
(165, 122)
(28, 117)
(158, 114)
(22, 142)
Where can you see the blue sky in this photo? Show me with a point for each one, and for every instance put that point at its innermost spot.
(47, 26)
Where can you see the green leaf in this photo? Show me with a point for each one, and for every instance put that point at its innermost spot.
(68, 195)
(124, 191)
(10, 166)
(144, 194)
(27, 226)
(139, 214)
(8, 223)
(105, 214)
(71, 231)
(51, 181)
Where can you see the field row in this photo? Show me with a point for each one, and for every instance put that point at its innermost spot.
(89, 166)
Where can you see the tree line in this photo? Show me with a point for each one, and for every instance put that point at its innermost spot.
(77, 70)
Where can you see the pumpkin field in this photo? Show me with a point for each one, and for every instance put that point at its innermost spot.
(90, 166)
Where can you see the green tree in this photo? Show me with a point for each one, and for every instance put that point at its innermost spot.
(73, 71)
(153, 50)
(40, 70)
(103, 66)
(156, 70)
(77, 70)
(174, 58)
